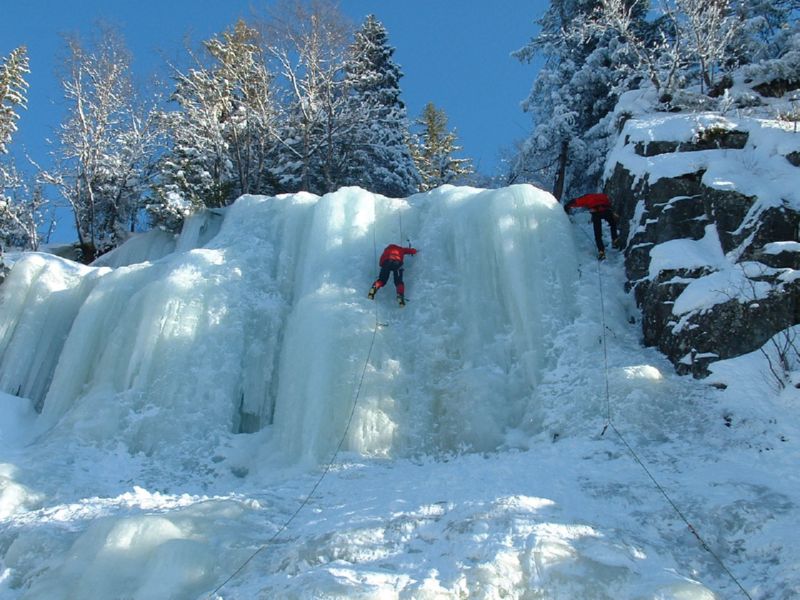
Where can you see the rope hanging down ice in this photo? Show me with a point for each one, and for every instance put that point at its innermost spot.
(330, 463)
(610, 423)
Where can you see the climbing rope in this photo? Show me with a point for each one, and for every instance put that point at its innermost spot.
(610, 423)
(605, 348)
(332, 460)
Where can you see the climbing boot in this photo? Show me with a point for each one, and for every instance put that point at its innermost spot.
(617, 243)
(401, 300)
(601, 255)
(371, 293)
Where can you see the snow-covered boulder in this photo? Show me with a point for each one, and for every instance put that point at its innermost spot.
(710, 210)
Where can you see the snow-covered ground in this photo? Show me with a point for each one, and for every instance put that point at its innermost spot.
(477, 461)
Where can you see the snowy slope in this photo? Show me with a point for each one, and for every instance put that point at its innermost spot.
(190, 404)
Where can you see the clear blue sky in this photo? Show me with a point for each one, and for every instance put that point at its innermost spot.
(454, 53)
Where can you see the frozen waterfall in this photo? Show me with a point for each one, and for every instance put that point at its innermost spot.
(257, 320)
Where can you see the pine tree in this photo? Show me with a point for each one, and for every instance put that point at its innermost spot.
(196, 172)
(781, 73)
(247, 88)
(433, 151)
(13, 89)
(24, 212)
(769, 42)
(763, 26)
(655, 47)
(583, 73)
(378, 156)
(223, 134)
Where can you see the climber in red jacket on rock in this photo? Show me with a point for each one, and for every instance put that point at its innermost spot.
(600, 207)
(392, 261)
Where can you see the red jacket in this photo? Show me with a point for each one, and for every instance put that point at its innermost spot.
(594, 202)
(395, 252)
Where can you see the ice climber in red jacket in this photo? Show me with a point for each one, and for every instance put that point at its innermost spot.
(392, 261)
(600, 207)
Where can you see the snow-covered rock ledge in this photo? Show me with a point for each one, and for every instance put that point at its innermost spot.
(710, 209)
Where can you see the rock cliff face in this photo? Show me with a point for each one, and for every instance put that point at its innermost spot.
(711, 226)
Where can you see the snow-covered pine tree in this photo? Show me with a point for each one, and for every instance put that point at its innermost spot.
(196, 171)
(773, 42)
(251, 124)
(13, 96)
(223, 133)
(378, 155)
(13, 90)
(778, 75)
(24, 212)
(433, 151)
(584, 71)
(764, 28)
(656, 46)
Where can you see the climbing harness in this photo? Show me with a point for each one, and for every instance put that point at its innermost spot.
(332, 460)
(610, 423)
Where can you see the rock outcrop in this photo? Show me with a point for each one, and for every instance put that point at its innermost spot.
(743, 284)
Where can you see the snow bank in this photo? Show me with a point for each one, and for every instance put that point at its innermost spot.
(146, 554)
(652, 127)
(725, 279)
(14, 496)
(688, 254)
(774, 368)
(750, 171)
(778, 247)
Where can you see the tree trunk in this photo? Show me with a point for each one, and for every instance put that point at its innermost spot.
(558, 186)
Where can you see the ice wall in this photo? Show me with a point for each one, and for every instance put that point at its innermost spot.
(152, 245)
(38, 303)
(266, 327)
